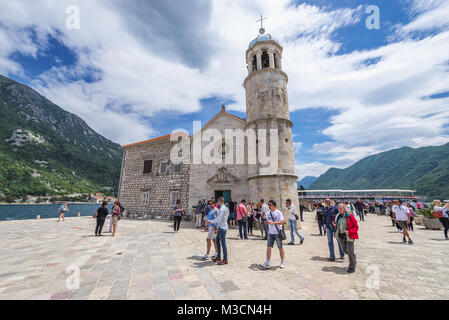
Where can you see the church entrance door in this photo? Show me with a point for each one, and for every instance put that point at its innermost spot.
(226, 194)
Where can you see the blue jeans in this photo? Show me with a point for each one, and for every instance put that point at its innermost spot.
(330, 242)
(321, 225)
(293, 230)
(242, 224)
(221, 242)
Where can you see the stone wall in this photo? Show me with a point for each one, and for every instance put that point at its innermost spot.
(201, 174)
(159, 186)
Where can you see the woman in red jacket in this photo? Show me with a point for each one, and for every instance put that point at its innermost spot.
(346, 233)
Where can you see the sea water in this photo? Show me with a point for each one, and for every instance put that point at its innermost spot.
(46, 211)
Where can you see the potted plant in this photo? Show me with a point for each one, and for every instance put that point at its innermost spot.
(429, 221)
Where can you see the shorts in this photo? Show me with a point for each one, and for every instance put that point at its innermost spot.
(211, 234)
(114, 220)
(272, 238)
(402, 224)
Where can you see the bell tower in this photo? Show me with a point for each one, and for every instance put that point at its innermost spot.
(267, 108)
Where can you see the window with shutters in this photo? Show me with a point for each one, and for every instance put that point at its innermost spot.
(145, 198)
(163, 167)
(174, 196)
(177, 168)
(148, 166)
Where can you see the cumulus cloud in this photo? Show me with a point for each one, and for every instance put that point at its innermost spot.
(313, 169)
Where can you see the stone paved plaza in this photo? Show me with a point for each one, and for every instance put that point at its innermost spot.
(147, 261)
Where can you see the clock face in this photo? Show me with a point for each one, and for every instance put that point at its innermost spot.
(222, 149)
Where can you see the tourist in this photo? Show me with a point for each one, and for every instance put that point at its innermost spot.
(232, 214)
(275, 222)
(250, 210)
(101, 215)
(320, 218)
(443, 215)
(203, 213)
(205, 217)
(346, 228)
(359, 206)
(221, 222)
(115, 212)
(198, 216)
(412, 215)
(301, 211)
(212, 214)
(178, 211)
(258, 209)
(121, 215)
(62, 210)
(293, 223)
(264, 209)
(330, 213)
(402, 218)
(352, 208)
(242, 218)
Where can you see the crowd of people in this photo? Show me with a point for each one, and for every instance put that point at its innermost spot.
(336, 220)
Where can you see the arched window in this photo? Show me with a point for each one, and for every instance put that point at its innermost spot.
(265, 59)
(254, 67)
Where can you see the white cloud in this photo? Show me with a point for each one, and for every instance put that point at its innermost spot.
(313, 169)
(144, 69)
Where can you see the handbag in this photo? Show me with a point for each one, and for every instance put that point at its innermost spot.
(438, 214)
(280, 232)
(244, 218)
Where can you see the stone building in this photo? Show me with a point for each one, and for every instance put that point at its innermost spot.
(150, 183)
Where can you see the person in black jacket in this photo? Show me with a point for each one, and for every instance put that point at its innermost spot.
(101, 215)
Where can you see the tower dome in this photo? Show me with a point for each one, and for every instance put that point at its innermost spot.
(261, 38)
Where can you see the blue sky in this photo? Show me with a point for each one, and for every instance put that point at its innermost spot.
(152, 67)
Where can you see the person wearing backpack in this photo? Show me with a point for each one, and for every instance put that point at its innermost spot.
(242, 217)
(275, 222)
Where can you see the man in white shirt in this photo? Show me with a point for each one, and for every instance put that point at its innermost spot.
(275, 222)
(402, 218)
(264, 209)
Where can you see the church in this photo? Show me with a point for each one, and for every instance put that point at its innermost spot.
(151, 183)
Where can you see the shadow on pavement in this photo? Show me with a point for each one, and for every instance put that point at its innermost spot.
(255, 267)
(204, 263)
(397, 242)
(337, 270)
(198, 258)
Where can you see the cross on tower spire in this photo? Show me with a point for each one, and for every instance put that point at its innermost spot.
(261, 30)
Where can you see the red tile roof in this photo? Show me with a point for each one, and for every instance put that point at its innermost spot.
(162, 138)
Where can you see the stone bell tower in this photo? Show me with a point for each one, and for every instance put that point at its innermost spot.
(267, 108)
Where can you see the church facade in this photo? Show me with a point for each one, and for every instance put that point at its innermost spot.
(151, 182)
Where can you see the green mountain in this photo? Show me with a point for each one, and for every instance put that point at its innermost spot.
(424, 169)
(45, 150)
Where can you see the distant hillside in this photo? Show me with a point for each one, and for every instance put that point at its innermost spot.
(424, 169)
(46, 150)
(306, 181)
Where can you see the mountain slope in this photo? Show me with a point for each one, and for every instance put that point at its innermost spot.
(424, 169)
(46, 150)
(306, 181)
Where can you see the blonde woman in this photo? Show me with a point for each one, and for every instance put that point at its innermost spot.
(445, 215)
